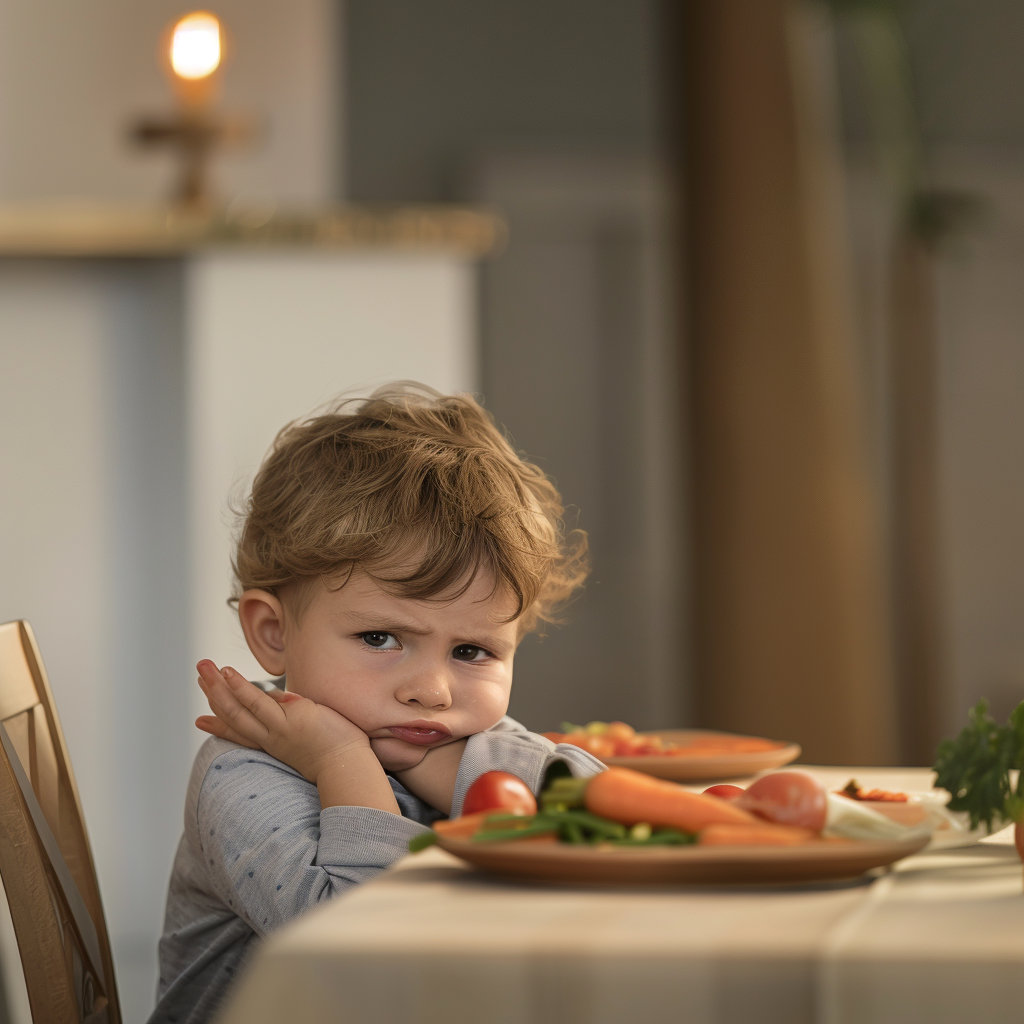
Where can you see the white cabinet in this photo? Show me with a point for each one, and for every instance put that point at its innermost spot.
(134, 395)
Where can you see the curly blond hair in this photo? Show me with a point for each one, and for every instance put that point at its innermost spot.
(419, 490)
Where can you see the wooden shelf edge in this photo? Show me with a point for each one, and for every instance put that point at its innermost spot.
(79, 230)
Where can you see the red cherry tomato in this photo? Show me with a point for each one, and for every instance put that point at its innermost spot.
(724, 792)
(787, 798)
(499, 791)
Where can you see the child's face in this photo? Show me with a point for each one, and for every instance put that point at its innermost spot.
(412, 674)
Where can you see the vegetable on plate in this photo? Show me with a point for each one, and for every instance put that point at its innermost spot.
(625, 808)
(787, 798)
(725, 791)
(633, 797)
(499, 791)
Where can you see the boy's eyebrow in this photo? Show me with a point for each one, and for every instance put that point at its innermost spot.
(386, 624)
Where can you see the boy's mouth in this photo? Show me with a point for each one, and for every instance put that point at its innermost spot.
(420, 733)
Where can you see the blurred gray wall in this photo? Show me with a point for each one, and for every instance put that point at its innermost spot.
(550, 111)
(430, 85)
(970, 90)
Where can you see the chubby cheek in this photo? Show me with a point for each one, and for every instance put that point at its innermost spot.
(484, 705)
(359, 697)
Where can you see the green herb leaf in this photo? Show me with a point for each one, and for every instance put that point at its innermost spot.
(975, 767)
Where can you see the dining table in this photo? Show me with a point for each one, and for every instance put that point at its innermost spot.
(938, 937)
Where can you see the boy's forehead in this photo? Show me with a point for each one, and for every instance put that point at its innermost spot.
(481, 601)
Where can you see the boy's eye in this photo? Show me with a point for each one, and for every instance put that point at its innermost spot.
(381, 641)
(469, 652)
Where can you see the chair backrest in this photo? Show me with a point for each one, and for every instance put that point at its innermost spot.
(45, 859)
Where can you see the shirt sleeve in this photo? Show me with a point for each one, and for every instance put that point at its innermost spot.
(510, 748)
(269, 850)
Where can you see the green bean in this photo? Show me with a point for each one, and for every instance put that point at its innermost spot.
(570, 832)
(492, 818)
(564, 792)
(501, 835)
(602, 826)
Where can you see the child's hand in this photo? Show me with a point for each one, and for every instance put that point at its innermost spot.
(309, 737)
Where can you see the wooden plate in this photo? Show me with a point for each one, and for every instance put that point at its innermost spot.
(558, 862)
(698, 767)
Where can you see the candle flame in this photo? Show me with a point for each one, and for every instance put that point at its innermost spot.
(196, 45)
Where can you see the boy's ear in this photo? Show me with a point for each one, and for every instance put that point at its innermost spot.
(262, 618)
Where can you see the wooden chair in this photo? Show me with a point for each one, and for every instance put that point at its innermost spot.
(45, 858)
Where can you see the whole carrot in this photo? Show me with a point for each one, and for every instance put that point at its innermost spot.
(759, 834)
(632, 797)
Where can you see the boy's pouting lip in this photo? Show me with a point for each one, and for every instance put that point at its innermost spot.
(420, 733)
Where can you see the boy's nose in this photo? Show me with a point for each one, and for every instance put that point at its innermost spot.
(429, 691)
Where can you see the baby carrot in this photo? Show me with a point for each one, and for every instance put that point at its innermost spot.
(462, 828)
(631, 797)
(757, 834)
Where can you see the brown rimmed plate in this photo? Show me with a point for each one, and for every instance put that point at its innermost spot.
(562, 862)
(700, 767)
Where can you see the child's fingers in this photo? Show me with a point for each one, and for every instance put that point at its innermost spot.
(283, 696)
(256, 701)
(226, 705)
(215, 727)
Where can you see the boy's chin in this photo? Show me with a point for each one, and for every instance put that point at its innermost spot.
(396, 755)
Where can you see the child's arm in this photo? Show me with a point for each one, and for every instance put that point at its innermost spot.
(323, 746)
(433, 779)
(258, 839)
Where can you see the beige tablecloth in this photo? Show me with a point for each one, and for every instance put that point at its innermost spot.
(939, 939)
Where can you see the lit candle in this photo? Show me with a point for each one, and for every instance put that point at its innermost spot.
(196, 45)
(192, 53)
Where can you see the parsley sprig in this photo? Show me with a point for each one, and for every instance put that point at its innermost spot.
(975, 767)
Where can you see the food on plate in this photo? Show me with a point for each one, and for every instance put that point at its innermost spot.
(859, 819)
(622, 807)
(632, 797)
(787, 798)
(617, 739)
(494, 791)
(857, 792)
(464, 827)
(975, 770)
(759, 834)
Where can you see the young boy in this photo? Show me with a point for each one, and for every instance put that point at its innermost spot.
(392, 557)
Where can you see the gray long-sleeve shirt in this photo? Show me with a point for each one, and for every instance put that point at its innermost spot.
(258, 850)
